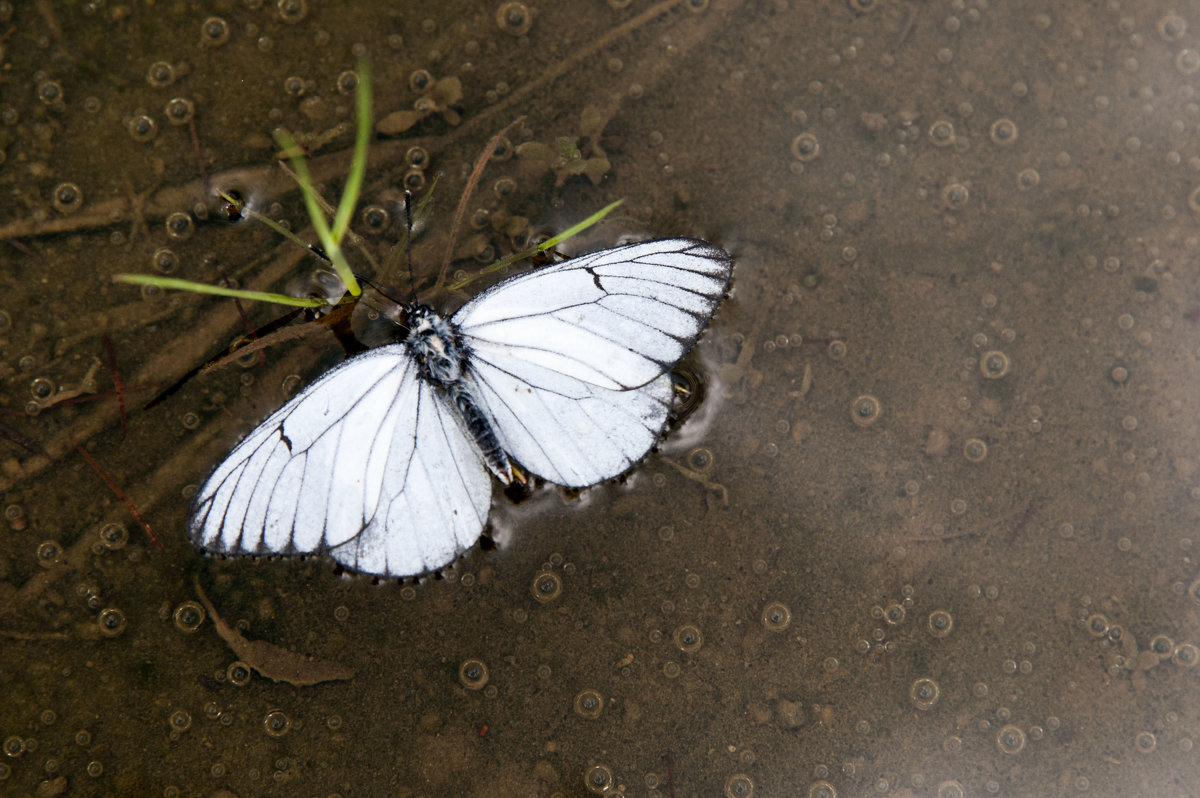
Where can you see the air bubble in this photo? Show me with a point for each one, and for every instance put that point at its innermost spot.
(277, 723)
(941, 133)
(940, 623)
(180, 720)
(1003, 131)
(805, 147)
(111, 622)
(142, 128)
(598, 779)
(1186, 655)
(49, 553)
(776, 616)
(188, 616)
(739, 785)
(292, 11)
(924, 693)
(160, 74)
(347, 82)
(589, 704)
(950, 789)
(514, 18)
(164, 261)
(822, 789)
(865, 410)
(473, 674)
(375, 219)
(975, 450)
(180, 226)
(546, 586)
(238, 673)
(994, 364)
(179, 110)
(67, 198)
(50, 92)
(688, 638)
(1010, 739)
(955, 196)
(214, 32)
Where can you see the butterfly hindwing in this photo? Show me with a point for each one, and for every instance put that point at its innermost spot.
(571, 359)
(368, 463)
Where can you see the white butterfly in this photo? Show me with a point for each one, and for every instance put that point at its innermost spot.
(383, 461)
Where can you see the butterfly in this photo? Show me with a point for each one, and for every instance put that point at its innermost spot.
(383, 462)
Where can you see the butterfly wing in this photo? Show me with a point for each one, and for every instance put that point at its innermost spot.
(571, 360)
(368, 463)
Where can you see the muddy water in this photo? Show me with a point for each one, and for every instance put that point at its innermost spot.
(931, 530)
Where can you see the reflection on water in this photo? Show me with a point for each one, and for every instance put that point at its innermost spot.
(930, 532)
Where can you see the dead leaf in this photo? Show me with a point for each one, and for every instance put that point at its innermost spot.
(275, 662)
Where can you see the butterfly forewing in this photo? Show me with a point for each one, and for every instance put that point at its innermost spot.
(575, 377)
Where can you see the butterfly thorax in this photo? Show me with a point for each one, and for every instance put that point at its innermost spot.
(441, 360)
(434, 345)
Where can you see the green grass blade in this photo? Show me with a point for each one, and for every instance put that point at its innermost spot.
(358, 166)
(516, 257)
(315, 214)
(576, 229)
(174, 284)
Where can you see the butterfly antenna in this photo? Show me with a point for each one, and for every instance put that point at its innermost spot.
(412, 280)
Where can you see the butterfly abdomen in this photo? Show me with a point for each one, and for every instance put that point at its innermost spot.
(480, 428)
(442, 362)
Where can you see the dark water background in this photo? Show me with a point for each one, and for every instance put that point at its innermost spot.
(983, 215)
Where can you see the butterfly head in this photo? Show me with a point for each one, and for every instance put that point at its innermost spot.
(434, 345)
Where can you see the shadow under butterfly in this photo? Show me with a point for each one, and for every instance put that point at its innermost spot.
(383, 461)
